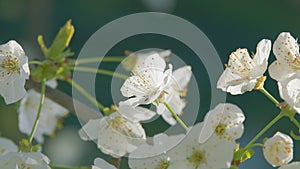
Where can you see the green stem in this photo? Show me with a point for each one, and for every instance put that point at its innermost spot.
(279, 116)
(86, 94)
(176, 116)
(266, 93)
(100, 59)
(295, 122)
(35, 62)
(36, 122)
(67, 167)
(256, 145)
(99, 71)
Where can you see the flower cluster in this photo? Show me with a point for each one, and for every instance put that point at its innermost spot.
(210, 144)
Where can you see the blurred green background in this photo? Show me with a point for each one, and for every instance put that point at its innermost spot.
(228, 24)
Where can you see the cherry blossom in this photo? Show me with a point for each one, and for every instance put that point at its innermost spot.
(242, 71)
(225, 121)
(14, 70)
(49, 119)
(289, 90)
(148, 82)
(19, 160)
(286, 51)
(115, 134)
(278, 150)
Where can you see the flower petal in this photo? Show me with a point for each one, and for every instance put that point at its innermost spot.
(280, 70)
(262, 52)
(285, 47)
(90, 130)
(102, 164)
(135, 114)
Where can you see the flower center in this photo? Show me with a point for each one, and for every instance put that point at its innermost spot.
(23, 166)
(10, 65)
(220, 129)
(240, 65)
(196, 158)
(164, 164)
(294, 61)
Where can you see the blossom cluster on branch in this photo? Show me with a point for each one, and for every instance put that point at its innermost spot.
(212, 143)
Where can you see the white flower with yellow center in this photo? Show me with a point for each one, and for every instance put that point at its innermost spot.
(7, 146)
(278, 150)
(148, 82)
(115, 134)
(102, 164)
(19, 160)
(190, 154)
(293, 165)
(286, 51)
(173, 94)
(50, 115)
(14, 71)
(154, 156)
(289, 90)
(225, 121)
(242, 71)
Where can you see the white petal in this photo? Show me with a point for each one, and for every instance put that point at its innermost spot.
(280, 70)
(12, 91)
(12, 84)
(13, 160)
(227, 114)
(112, 142)
(136, 114)
(150, 157)
(278, 150)
(50, 114)
(90, 131)
(152, 61)
(289, 90)
(230, 82)
(102, 164)
(182, 77)
(6, 146)
(262, 52)
(285, 47)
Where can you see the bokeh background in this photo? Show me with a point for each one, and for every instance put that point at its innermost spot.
(228, 24)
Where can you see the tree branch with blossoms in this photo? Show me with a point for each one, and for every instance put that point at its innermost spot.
(118, 129)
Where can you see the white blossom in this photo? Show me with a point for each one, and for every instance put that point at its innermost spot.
(115, 134)
(177, 152)
(278, 150)
(102, 164)
(242, 71)
(14, 70)
(289, 90)
(225, 121)
(286, 51)
(190, 154)
(293, 165)
(7, 146)
(50, 114)
(154, 156)
(172, 96)
(148, 82)
(19, 160)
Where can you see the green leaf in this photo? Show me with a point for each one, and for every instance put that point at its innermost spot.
(61, 42)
